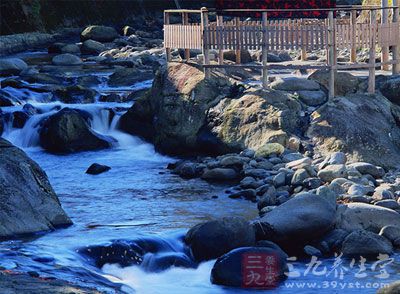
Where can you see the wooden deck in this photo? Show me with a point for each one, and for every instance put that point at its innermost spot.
(331, 34)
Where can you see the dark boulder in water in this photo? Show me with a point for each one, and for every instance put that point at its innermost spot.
(5, 102)
(28, 203)
(119, 252)
(214, 238)
(68, 131)
(96, 169)
(19, 119)
(234, 268)
(75, 94)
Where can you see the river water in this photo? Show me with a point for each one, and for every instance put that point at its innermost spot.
(138, 198)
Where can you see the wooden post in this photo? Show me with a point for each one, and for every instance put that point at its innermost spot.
(237, 43)
(304, 40)
(332, 53)
(396, 49)
(204, 25)
(185, 21)
(220, 23)
(265, 51)
(372, 52)
(167, 50)
(353, 54)
(385, 20)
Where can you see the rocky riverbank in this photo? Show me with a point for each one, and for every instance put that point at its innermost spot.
(323, 172)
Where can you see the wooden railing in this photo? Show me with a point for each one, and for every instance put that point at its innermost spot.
(290, 34)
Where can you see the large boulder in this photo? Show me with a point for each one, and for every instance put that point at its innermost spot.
(345, 83)
(214, 238)
(66, 59)
(253, 120)
(234, 268)
(28, 203)
(175, 108)
(75, 94)
(99, 33)
(12, 66)
(302, 219)
(69, 131)
(391, 89)
(128, 77)
(365, 127)
(364, 243)
(361, 216)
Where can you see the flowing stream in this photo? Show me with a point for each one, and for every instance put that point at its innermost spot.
(137, 199)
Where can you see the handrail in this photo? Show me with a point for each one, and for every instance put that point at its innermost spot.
(335, 9)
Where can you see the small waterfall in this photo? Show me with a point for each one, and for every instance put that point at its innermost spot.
(28, 136)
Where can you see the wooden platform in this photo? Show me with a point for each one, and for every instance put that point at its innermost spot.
(343, 29)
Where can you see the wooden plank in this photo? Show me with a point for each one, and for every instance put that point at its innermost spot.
(167, 35)
(385, 20)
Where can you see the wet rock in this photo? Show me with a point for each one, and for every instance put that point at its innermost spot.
(68, 131)
(66, 59)
(12, 66)
(188, 170)
(331, 172)
(215, 238)
(99, 33)
(71, 48)
(366, 244)
(118, 252)
(128, 77)
(96, 169)
(303, 218)
(92, 47)
(360, 216)
(220, 174)
(19, 119)
(248, 194)
(75, 94)
(28, 203)
(358, 126)
(293, 84)
(5, 102)
(228, 269)
(110, 98)
(88, 81)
